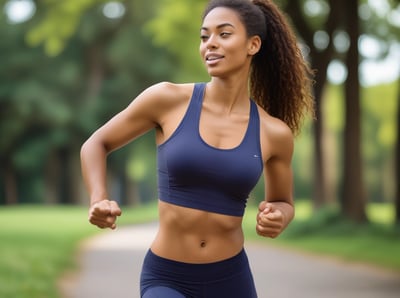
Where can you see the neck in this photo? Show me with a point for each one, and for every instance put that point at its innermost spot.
(229, 95)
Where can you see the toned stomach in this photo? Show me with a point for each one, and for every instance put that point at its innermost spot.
(196, 236)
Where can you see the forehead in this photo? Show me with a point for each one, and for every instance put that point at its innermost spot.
(221, 15)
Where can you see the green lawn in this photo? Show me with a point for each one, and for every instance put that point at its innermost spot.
(377, 243)
(38, 243)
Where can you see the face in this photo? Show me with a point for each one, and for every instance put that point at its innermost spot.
(225, 47)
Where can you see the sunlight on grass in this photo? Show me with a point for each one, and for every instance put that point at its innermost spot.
(327, 233)
(38, 244)
(381, 213)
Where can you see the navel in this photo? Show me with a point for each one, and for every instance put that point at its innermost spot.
(203, 243)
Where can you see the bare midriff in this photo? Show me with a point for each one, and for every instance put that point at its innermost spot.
(196, 236)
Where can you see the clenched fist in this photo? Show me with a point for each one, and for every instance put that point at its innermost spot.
(270, 220)
(104, 214)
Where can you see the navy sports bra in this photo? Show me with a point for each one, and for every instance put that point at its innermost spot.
(193, 174)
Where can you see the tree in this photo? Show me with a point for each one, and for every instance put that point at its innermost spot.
(29, 107)
(353, 201)
(68, 91)
(397, 150)
(320, 56)
(397, 159)
(383, 25)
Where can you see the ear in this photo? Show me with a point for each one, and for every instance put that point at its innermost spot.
(254, 45)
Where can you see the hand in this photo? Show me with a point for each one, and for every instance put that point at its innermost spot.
(104, 214)
(270, 220)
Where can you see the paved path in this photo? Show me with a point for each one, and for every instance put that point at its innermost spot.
(110, 267)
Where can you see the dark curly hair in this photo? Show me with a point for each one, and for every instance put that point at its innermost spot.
(280, 78)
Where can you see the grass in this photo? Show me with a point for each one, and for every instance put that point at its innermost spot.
(38, 243)
(326, 233)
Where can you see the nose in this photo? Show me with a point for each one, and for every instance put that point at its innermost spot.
(212, 42)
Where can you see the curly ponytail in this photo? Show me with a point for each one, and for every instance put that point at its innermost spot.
(280, 78)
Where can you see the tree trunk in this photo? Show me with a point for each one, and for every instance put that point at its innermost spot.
(319, 194)
(10, 184)
(353, 201)
(320, 60)
(397, 158)
(64, 184)
(52, 176)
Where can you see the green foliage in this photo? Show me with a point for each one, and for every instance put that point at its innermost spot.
(50, 105)
(176, 27)
(59, 24)
(378, 108)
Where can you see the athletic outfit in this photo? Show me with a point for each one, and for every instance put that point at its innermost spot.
(193, 174)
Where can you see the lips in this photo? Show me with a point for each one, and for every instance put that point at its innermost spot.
(213, 57)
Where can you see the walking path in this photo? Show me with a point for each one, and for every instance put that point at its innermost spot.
(110, 267)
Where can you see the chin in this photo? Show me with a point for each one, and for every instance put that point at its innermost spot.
(215, 73)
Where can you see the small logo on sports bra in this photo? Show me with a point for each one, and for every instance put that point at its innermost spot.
(256, 156)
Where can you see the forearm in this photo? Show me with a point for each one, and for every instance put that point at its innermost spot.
(93, 163)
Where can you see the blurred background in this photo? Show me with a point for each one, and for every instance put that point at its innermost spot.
(66, 67)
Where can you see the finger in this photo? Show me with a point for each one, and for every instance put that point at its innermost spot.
(270, 220)
(267, 232)
(261, 206)
(98, 217)
(268, 207)
(111, 220)
(273, 216)
(278, 215)
(100, 208)
(99, 223)
(114, 209)
(270, 224)
(108, 222)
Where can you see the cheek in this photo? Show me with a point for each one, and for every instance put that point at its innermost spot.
(237, 48)
(239, 54)
(202, 49)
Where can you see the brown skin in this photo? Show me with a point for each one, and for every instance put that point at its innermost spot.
(186, 234)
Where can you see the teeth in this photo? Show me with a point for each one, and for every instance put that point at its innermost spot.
(213, 58)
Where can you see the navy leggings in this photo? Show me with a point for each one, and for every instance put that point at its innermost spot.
(164, 278)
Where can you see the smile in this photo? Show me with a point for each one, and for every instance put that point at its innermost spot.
(213, 57)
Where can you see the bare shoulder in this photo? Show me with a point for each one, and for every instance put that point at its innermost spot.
(276, 135)
(158, 101)
(168, 93)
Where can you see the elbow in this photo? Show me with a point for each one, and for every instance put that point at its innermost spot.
(84, 149)
(92, 146)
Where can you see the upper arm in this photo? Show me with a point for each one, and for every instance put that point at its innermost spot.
(141, 115)
(277, 169)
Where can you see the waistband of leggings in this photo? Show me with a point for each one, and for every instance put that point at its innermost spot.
(199, 272)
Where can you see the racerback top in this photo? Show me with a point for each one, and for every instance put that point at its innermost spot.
(193, 174)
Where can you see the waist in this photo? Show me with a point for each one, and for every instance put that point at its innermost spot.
(195, 236)
(207, 272)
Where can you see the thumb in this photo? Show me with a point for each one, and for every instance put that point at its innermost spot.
(268, 207)
(261, 206)
(114, 209)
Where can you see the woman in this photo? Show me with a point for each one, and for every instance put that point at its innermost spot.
(214, 140)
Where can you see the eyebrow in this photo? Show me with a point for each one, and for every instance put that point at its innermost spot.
(220, 26)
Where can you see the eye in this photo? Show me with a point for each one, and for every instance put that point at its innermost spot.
(203, 37)
(225, 34)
